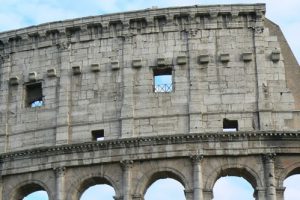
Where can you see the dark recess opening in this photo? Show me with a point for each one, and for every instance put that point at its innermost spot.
(230, 125)
(98, 135)
(34, 95)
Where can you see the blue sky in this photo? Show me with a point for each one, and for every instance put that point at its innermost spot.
(21, 13)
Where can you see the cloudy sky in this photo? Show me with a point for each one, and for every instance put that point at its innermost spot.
(21, 13)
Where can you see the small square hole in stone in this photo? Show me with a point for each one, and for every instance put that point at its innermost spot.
(230, 125)
(98, 135)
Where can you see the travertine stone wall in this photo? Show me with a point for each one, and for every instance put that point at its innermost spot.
(97, 73)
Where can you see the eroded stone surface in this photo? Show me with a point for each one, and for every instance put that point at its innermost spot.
(97, 75)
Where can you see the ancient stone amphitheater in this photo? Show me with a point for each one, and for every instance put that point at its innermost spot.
(191, 93)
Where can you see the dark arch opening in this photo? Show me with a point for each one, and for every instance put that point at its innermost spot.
(28, 189)
(96, 186)
(292, 185)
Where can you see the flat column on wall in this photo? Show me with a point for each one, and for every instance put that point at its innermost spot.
(270, 176)
(1, 187)
(280, 193)
(126, 182)
(197, 177)
(60, 183)
(259, 193)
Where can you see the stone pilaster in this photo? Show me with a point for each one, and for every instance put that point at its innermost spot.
(280, 193)
(60, 183)
(126, 167)
(137, 197)
(188, 194)
(270, 176)
(1, 187)
(207, 194)
(197, 177)
(259, 193)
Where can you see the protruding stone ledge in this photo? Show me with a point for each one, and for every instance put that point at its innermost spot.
(247, 56)
(275, 56)
(14, 80)
(157, 140)
(51, 72)
(95, 67)
(32, 76)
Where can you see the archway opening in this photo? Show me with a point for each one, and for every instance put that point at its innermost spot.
(40, 195)
(292, 185)
(31, 191)
(233, 188)
(96, 188)
(165, 189)
(99, 191)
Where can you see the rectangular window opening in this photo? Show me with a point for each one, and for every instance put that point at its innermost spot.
(163, 82)
(34, 95)
(230, 125)
(98, 135)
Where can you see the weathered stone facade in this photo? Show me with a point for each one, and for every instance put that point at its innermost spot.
(94, 78)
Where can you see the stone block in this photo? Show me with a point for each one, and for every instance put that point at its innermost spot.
(275, 56)
(137, 63)
(95, 67)
(51, 72)
(32, 76)
(14, 80)
(115, 65)
(203, 59)
(181, 60)
(247, 57)
(161, 62)
(224, 57)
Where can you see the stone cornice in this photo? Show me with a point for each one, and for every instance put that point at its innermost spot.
(154, 141)
(132, 23)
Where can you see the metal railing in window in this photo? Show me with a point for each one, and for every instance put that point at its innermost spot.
(163, 88)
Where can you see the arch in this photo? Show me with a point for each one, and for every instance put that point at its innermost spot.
(79, 186)
(153, 175)
(234, 170)
(287, 172)
(28, 187)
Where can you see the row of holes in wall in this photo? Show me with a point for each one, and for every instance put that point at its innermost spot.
(228, 126)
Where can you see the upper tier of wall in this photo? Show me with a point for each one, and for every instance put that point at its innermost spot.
(131, 23)
(96, 76)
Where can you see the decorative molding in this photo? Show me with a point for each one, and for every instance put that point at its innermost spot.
(128, 23)
(196, 158)
(126, 164)
(59, 171)
(269, 157)
(154, 140)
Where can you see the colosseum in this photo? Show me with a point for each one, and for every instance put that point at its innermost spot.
(191, 93)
